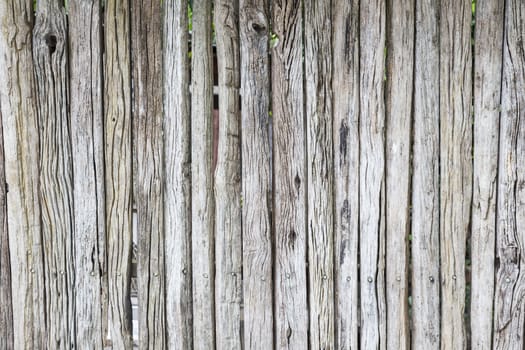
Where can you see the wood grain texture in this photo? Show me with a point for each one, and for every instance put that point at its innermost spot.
(117, 128)
(425, 180)
(318, 77)
(399, 93)
(372, 175)
(87, 146)
(455, 165)
(177, 200)
(345, 87)
(6, 300)
(21, 144)
(487, 94)
(509, 318)
(228, 213)
(202, 199)
(289, 147)
(256, 175)
(148, 160)
(55, 172)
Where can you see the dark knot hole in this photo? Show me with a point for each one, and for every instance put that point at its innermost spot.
(258, 27)
(51, 42)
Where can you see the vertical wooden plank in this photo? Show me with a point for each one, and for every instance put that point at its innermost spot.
(117, 115)
(6, 300)
(509, 318)
(228, 235)
(345, 84)
(87, 143)
(148, 160)
(372, 175)
(256, 175)
(318, 77)
(55, 171)
(202, 200)
(455, 165)
(399, 92)
(425, 180)
(291, 312)
(177, 200)
(20, 126)
(487, 93)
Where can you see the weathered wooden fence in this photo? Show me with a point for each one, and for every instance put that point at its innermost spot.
(363, 185)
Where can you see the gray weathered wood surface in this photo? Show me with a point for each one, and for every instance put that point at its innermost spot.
(87, 146)
(6, 301)
(455, 165)
(202, 199)
(21, 144)
(148, 178)
(118, 171)
(399, 93)
(319, 165)
(354, 181)
(372, 174)
(289, 168)
(256, 175)
(177, 191)
(509, 317)
(51, 66)
(425, 180)
(488, 56)
(345, 87)
(228, 212)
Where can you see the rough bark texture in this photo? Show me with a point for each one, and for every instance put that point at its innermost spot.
(345, 85)
(148, 160)
(21, 144)
(455, 165)
(289, 148)
(256, 175)
(318, 76)
(228, 235)
(6, 300)
(117, 113)
(372, 175)
(87, 143)
(509, 305)
(399, 93)
(202, 200)
(55, 172)
(425, 180)
(487, 94)
(177, 200)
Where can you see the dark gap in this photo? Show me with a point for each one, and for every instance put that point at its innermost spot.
(51, 43)
(468, 243)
